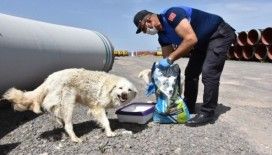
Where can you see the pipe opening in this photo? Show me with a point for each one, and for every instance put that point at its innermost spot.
(269, 52)
(261, 52)
(253, 36)
(238, 54)
(230, 54)
(248, 52)
(242, 38)
(267, 36)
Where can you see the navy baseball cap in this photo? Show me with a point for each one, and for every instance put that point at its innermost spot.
(139, 17)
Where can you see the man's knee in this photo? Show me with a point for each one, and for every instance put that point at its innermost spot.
(209, 77)
(189, 79)
(191, 75)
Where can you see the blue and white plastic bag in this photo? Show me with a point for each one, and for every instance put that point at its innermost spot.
(170, 107)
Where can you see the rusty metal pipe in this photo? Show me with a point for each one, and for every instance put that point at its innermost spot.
(242, 38)
(254, 36)
(230, 54)
(261, 52)
(248, 52)
(267, 36)
(238, 52)
(269, 52)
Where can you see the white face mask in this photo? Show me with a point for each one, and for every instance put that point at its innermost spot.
(152, 31)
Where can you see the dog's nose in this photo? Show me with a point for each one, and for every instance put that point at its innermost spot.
(124, 95)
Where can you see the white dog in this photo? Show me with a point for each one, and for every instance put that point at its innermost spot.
(63, 89)
(145, 75)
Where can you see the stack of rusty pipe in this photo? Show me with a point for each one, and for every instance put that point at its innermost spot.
(253, 45)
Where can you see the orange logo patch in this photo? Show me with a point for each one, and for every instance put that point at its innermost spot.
(172, 16)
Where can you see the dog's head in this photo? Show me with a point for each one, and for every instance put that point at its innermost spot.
(123, 92)
(145, 75)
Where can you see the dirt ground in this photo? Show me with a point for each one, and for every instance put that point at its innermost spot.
(243, 124)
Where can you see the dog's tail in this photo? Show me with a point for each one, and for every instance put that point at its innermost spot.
(14, 95)
(27, 98)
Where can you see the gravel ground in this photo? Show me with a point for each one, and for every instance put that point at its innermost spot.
(243, 124)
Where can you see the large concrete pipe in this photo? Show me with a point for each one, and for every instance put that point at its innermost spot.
(267, 36)
(261, 52)
(30, 50)
(254, 36)
(242, 38)
(248, 52)
(238, 52)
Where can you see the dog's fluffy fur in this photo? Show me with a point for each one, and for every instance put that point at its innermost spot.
(145, 75)
(63, 89)
(23, 101)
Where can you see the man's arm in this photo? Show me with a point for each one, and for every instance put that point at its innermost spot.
(167, 50)
(185, 31)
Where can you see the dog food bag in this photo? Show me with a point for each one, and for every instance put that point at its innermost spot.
(170, 107)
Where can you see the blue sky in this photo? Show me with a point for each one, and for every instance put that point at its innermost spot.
(114, 18)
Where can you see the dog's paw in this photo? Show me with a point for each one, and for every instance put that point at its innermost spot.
(37, 111)
(77, 140)
(111, 134)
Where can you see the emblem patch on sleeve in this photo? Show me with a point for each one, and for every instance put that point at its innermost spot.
(172, 16)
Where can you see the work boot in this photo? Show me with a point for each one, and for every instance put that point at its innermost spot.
(200, 119)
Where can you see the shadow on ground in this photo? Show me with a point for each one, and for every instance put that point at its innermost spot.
(220, 109)
(80, 130)
(86, 127)
(6, 148)
(135, 128)
(10, 119)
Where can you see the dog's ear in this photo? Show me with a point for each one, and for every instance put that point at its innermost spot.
(107, 87)
(104, 94)
(110, 90)
(145, 75)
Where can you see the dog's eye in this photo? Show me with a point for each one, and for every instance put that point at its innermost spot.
(120, 87)
(129, 90)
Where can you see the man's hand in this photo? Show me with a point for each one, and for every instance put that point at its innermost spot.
(165, 63)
